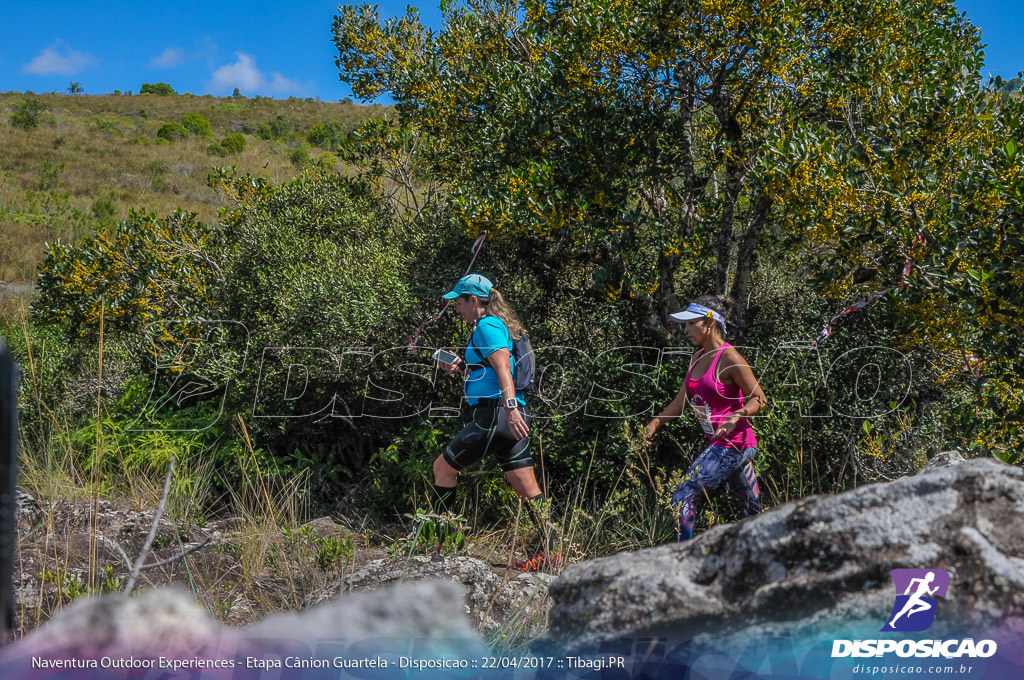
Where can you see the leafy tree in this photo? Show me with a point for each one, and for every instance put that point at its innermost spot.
(1011, 85)
(299, 157)
(971, 258)
(104, 209)
(633, 146)
(628, 136)
(75, 87)
(157, 88)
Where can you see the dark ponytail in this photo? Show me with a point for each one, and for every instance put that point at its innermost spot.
(723, 304)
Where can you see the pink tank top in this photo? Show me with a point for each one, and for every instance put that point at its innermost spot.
(714, 401)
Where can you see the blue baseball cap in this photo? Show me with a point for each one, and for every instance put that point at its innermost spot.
(473, 284)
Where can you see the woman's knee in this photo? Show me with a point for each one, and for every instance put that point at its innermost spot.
(687, 492)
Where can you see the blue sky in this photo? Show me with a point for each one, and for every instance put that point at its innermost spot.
(276, 49)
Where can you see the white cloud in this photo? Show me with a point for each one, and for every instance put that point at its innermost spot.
(60, 58)
(172, 57)
(244, 75)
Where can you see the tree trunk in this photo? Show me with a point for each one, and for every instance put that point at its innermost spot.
(745, 261)
(726, 227)
(734, 174)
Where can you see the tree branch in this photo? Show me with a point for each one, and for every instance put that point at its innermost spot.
(134, 574)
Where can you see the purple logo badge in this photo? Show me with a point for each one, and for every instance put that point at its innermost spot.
(914, 608)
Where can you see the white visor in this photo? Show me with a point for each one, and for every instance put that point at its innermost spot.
(695, 311)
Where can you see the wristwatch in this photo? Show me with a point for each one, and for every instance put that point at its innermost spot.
(511, 403)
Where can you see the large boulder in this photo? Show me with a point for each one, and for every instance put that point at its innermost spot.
(512, 606)
(160, 628)
(815, 566)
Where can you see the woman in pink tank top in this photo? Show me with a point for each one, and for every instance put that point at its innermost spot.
(723, 394)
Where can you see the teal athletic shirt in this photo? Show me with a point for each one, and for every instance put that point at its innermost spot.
(490, 335)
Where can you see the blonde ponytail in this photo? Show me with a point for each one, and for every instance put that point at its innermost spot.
(497, 306)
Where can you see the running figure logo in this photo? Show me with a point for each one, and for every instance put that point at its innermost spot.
(914, 608)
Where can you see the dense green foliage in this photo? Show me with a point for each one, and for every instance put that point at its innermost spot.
(329, 135)
(278, 128)
(197, 124)
(171, 131)
(26, 114)
(622, 159)
(157, 88)
(654, 146)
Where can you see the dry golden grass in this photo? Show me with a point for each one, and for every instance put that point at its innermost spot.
(89, 148)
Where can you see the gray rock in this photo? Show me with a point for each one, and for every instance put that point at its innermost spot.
(816, 564)
(425, 616)
(943, 459)
(167, 622)
(513, 606)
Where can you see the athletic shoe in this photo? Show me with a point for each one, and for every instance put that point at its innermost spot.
(542, 561)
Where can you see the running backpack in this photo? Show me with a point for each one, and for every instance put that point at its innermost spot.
(525, 364)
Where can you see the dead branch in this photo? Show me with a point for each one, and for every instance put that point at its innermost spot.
(134, 574)
(182, 556)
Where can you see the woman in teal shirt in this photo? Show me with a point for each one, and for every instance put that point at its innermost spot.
(500, 420)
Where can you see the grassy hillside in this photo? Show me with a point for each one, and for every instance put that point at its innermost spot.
(88, 160)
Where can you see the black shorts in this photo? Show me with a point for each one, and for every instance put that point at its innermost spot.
(483, 435)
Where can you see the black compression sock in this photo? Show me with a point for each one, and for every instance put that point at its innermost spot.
(444, 498)
(540, 512)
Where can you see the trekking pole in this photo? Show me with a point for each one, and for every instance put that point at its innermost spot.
(414, 339)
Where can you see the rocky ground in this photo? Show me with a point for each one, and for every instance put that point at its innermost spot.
(821, 563)
(240, 573)
(797, 575)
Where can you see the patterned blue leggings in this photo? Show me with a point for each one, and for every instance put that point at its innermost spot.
(715, 465)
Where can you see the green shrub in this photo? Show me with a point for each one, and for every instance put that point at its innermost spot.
(298, 157)
(217, 150)
(326, 161)
(328, 135)
(129, 276)
(49, 176)
(229, 106)
(157, 88)
(318, 264)
(103, 208)
(234, 143)
(278, 128)
(197, 124)
(26, 114)
(432, 533)
(171, 131)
